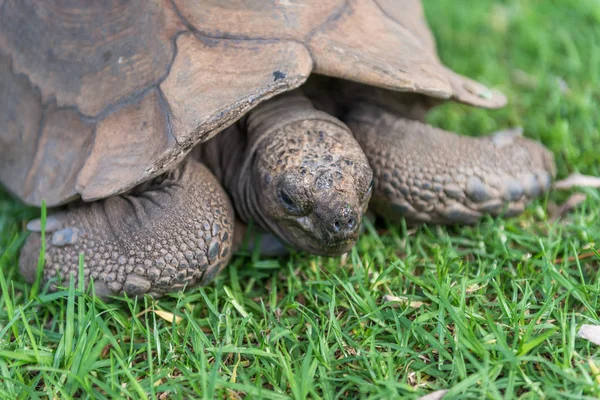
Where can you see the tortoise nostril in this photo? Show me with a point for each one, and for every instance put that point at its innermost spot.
(337, 225)
(344, 225)
(351, 222)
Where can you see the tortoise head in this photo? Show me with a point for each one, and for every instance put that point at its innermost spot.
(311, 185)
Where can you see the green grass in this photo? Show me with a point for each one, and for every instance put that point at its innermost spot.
(490, 311)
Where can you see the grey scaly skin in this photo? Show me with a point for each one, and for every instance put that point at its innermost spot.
(172, 232)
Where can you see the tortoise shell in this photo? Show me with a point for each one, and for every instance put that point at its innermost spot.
(97, 97)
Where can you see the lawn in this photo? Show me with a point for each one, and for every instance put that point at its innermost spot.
(488, 311)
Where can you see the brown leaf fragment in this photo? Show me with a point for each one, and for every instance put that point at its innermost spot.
(166, 315)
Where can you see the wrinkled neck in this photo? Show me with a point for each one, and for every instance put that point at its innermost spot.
(370, 100)
(232, 155)
(246, 196)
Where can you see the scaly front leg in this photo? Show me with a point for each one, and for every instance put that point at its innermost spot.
(426, 174)
(171, 232)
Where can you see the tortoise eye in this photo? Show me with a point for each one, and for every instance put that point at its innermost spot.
(289, 204)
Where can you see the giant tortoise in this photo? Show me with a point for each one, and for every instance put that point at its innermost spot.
(102, 103)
